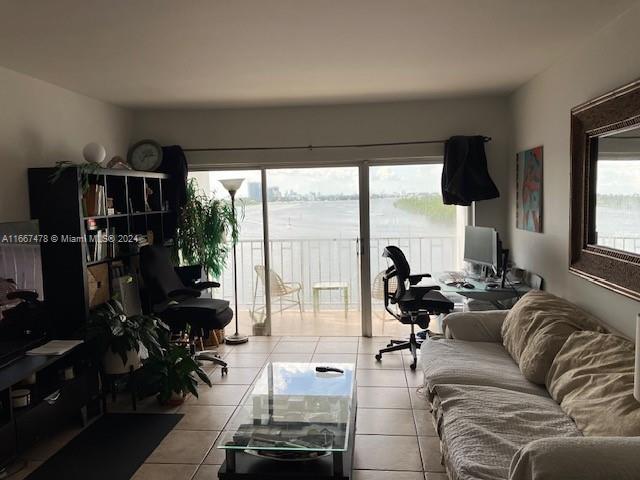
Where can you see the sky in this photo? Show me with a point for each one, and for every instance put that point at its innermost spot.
(390, 179)
(620, 177)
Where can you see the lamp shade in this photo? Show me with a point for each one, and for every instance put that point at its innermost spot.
(636, 387)
(232, 184)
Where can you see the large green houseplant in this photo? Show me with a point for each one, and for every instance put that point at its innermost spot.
(121, 338)
(207, 230)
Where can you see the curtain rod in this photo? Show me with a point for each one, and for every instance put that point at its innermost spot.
(317, 147)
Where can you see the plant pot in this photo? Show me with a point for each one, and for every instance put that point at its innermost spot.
(175, 400)
(112, 362)
(259, 329)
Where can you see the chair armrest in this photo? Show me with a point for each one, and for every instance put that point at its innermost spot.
(475, 326)
(183, 292)
(205, 285)
(417, 278)
(578, 458)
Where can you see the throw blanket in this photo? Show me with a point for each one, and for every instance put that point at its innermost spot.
(483, 427)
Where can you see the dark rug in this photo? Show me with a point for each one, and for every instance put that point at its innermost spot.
(112, 448)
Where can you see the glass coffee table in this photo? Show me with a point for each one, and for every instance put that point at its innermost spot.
(296, 422)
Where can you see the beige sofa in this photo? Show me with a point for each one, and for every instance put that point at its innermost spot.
(542, 392)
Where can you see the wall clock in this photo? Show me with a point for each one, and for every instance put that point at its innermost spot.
(145, 155)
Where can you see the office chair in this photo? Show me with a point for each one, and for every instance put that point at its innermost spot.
(180, 305)
(415, 304)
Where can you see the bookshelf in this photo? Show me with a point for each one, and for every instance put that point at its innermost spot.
(98, 234)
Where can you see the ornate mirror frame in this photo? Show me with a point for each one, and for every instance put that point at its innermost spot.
(613, 269)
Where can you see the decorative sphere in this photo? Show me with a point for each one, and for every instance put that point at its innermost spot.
(94, 152)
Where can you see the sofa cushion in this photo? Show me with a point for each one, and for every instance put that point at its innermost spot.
(482, 428)
(473, 363)
(592, 379)
(537, 327)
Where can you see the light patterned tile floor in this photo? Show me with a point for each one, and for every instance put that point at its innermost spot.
(395, 438)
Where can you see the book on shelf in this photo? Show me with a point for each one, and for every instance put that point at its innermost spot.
(98, 246)
(93, 201)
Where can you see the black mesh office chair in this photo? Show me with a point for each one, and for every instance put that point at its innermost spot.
(415, 304)
(180, 305)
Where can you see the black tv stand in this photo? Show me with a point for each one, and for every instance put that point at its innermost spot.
(75, 399)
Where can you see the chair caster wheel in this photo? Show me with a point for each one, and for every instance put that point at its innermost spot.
(225, 370)
(413, 365)
(378, 357)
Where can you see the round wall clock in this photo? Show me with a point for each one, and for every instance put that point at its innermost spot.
(145, 155)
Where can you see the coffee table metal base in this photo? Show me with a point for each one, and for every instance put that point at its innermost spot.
(336, 466)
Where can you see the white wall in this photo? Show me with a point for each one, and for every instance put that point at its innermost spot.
(340, 124)
(41, 124)
(541, 115)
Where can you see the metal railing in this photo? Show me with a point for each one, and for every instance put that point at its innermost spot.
(625, 243)
(310, 261)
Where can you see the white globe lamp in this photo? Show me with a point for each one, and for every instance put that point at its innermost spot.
(94, 152)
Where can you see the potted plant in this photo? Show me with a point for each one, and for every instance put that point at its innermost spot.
(205, 226)
(175, 373)
(123, 341)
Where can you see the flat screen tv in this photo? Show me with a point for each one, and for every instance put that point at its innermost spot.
(20, 269)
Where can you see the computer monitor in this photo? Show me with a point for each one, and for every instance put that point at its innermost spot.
(482, 246)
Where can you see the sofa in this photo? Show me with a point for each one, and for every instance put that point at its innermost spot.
(543, 391)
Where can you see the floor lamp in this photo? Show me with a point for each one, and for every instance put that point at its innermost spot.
(232, 185)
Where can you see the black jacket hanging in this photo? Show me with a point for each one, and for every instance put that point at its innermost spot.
(465, 177)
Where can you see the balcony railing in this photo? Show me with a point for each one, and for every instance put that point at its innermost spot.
(309, 261)
(626, 243)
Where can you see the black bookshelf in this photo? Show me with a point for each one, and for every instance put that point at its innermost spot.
(62, 211)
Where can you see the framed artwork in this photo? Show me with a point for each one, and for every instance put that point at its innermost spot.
(529, 190)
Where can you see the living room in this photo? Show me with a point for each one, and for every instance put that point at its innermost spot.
(319, 134)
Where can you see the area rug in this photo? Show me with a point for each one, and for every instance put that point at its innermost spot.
(112, 448)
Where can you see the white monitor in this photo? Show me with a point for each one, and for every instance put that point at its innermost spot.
(481, 246)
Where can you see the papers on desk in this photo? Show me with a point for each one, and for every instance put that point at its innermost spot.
(55, 347)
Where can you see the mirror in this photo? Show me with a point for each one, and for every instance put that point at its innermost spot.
(617, 185)
(604, 243)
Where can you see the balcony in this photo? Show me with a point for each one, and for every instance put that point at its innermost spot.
(308, 262)
(625, 243)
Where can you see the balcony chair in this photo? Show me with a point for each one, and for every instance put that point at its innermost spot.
(377, 293)
(415, 303)
(181, 305)
(288, 293)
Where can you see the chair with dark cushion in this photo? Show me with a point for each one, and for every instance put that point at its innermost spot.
(415, 303)
(178, 304)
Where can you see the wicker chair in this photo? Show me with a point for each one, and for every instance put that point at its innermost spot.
(287, 293)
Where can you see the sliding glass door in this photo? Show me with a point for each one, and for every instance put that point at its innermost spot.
(316, 244)
(313, 238)
(406, 210)
(252, 311)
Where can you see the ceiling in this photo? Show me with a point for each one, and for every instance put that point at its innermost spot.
(226, 53)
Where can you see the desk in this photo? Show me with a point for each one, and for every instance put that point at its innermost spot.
(494, 296)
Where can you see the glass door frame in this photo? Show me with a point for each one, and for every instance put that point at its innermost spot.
(364, 241)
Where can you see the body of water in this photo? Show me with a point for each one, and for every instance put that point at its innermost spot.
(338, 219)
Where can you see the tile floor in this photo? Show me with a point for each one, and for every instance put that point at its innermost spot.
(395, 438)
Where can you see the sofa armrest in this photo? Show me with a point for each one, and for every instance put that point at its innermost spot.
(578, 458)
(474, 326)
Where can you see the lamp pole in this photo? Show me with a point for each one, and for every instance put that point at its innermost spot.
(232, 186)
